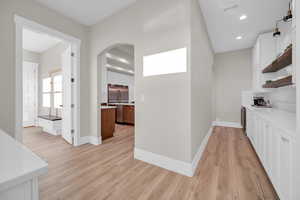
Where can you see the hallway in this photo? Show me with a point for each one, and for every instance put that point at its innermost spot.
(229, 169)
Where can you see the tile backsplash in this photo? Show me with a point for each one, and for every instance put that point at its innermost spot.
(283, 99)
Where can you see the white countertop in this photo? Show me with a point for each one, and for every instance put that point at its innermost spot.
(17, 163)
(123, 104)
(283, 120)
(108, 107)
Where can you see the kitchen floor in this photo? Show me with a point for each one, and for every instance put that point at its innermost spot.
(229, 169)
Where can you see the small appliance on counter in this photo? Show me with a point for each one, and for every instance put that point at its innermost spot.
(259, 102)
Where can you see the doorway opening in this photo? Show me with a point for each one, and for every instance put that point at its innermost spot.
(116, 76)
(47, 93)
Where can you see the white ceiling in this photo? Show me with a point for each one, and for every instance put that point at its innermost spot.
(87, 12)
(225, 26)
(38, 42)
(221, 16)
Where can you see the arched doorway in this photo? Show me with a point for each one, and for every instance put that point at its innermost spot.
(116, 86)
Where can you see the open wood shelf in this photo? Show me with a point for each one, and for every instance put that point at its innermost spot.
(281, 62)
(280, 83)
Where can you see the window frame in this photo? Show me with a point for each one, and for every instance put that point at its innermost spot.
(48, 92)
(52, 91)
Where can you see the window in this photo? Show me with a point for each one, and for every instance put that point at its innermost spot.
(169, 62)
(47, 92)
(57, 91)
(52, 91)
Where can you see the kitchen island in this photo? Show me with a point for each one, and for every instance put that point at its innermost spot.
(19, 170)
(108, 119)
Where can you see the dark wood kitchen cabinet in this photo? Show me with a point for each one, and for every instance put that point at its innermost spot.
(128, 114)
(108, 118)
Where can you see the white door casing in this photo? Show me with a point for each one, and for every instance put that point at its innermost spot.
(30, 94)
(67, 114)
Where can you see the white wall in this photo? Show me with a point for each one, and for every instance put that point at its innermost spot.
(162, 102)
(36, 12)
(51, 60)
(121, 79)
(233, 74)
(202, 58)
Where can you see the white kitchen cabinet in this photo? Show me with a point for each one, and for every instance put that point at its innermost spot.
(20, 170)
(272, 134)
(50, 126)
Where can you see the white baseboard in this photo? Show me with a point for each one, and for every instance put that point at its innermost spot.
(171, 164)
(227, 124)
(88, 140)
(200, 151)
(184, 168)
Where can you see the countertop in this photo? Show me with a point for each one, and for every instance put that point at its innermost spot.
(123, 104)
(17, 163)
(280, 119)
(108, 107)
(50, 117)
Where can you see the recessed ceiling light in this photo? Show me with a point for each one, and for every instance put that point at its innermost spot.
(243, 17)
(239, 37)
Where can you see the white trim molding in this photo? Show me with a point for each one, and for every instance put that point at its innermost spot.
(200, 151)
(227, 124)
(180, 167)
(94, 140)
(26, 23)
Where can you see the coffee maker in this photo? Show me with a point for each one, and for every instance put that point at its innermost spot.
(259, 102)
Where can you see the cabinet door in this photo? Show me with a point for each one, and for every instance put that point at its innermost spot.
(268, 155)
(249, 125)
(275, 158)
(128, 114)
(285, 167)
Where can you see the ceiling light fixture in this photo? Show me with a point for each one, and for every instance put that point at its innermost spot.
(243, 17)
(239, 37)
(287, 18)
(277, 32)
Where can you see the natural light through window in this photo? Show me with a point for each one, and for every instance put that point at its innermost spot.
(53, 91)
(57, 90)
(169, 62)
(46, 100)
(47, 92)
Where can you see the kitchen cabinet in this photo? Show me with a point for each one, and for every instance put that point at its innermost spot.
(125, 114)
(108, 119)
(50, 124)
(128, 112)
(20, 170)
(272, 134)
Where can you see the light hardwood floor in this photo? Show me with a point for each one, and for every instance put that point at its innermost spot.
(229, 170)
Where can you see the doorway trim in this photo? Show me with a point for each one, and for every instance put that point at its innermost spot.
(20, 24)
(100, 76)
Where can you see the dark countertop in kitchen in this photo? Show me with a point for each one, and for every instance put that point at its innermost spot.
(50, 117)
